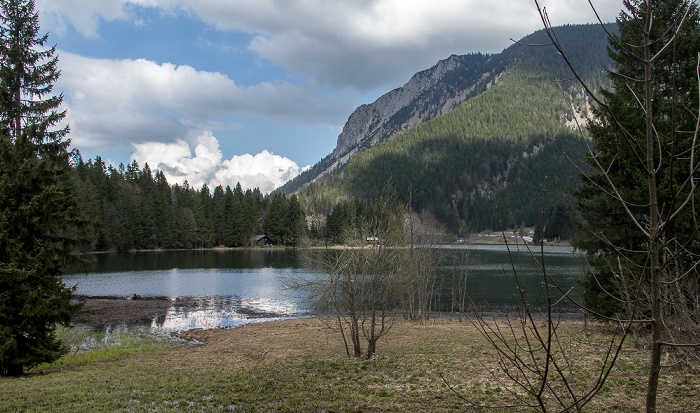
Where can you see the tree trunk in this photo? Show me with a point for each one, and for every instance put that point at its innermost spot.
(372, 339)
(355, 333)
(342, 333)
(15, 369)
(656, 323)
(371, 347)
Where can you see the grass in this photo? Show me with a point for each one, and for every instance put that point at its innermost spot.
(299, 365)
(88, 346)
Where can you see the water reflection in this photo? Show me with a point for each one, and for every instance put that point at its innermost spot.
(235, 287)
(193, 259)
(199, 297)
(224, 312)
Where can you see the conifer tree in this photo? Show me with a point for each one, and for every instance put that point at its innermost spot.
(40, 221)
(620, 138)
(639, 206)
(294, 223)
(275, 227)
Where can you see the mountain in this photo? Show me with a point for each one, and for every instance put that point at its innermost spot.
(471, 141)
(454, 80)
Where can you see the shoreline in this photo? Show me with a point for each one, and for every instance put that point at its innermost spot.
(217, 248)
(474, 239)
(99, 312)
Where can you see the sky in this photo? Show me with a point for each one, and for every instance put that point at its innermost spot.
(254, 91)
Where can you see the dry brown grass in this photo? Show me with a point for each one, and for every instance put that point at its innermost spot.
(300, 365)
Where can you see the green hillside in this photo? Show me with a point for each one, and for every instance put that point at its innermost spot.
(493, 150)
(585, 46)
(586, 49)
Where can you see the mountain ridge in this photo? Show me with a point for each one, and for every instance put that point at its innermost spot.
(448, 84)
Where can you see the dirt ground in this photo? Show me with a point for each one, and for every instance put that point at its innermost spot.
(97, 312)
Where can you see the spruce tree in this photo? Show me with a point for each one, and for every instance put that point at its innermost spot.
(275, 227)
(619, 135)
(294, 222)
(40, 221)
(639, 208)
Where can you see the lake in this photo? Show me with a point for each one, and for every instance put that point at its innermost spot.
(235, 287)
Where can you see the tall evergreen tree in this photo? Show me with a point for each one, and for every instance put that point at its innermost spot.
(638, 209)
(218, 215)
(40, 220)
(253, 206)
(620, 138)
(238, 217)
(228, 219)
(341, 223)
(275, 227)
(294, 223)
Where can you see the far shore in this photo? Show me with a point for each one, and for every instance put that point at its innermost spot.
(474, 239)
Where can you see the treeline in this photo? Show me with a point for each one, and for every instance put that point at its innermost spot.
(131, 207)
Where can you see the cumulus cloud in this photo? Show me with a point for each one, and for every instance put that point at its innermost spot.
(265, 170)
(363, 44)
(135, 101)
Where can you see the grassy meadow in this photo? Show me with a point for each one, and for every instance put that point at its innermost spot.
(300, 365)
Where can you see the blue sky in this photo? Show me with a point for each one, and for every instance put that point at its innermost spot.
(253, 91)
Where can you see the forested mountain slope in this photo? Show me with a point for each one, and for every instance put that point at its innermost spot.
(450, 82)
(493, 149)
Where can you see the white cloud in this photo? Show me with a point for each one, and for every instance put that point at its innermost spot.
(84, 16)
(133, 101)
(363, 44)
(265, 170)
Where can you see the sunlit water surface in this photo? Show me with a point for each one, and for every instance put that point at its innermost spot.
(234, 288)
(216, 297)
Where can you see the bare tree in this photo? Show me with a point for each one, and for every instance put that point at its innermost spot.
(360, 285)
(421, 259)
(643, 130)
(531, 353)
(458, 291)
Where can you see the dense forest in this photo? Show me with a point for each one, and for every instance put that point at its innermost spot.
(494, 150)
(134, 208)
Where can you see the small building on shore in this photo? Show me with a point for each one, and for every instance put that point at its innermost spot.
(261, 241)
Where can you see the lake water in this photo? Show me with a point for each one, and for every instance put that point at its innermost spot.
(234, 287)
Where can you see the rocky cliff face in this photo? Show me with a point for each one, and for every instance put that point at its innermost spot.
(450, 82)
(427, 94)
